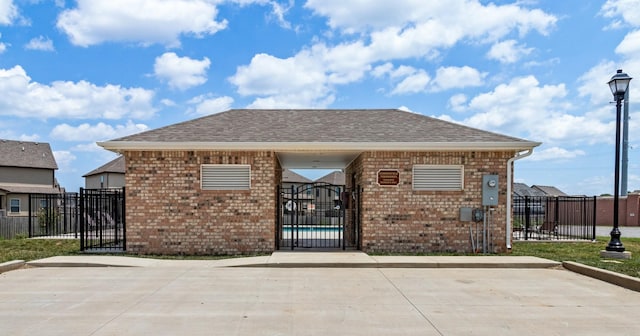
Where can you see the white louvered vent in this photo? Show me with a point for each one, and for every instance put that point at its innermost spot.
(436, 177)
(226, 177)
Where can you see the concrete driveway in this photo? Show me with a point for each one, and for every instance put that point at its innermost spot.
(208, 298)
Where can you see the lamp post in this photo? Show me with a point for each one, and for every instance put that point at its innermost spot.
(618, 84)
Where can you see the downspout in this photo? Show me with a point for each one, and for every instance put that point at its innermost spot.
(509, 191)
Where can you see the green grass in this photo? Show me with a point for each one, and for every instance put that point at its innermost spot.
(587, 253)
(31, 249)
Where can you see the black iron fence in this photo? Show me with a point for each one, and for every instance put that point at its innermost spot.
(554, 218)
(50, 215)
(102, 220)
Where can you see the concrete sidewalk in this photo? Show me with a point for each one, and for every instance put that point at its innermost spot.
(206, 297)
(343, 259)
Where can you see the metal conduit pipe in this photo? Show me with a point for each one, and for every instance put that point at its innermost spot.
(518, 156)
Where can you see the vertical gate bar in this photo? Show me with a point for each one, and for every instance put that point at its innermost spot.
(30, 219)
(291, 214)
(556, 227)
(527, 220)
(123, 219)
(80, 216)
(593, 223)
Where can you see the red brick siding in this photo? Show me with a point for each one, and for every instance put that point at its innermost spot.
(399, 219)
(168, 213)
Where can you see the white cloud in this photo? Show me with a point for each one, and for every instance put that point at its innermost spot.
(298, 81)
(139, 21)
(508, 51)
(593, 83)
(22, 97)
(97, 132)
(386, 31)
(414, 83)
(457, 77)
(3, 46)
(40, 43)
(468, 16)
(630, 45)
(457, 102)
(555, 154)
(205, 105)
(525, 108)
(628, 10)
(64, 159)
(181, 72)
(8, 12)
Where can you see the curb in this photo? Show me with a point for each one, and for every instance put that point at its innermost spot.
(11, 265)
(405, 265)
(614, 278)
(36, 263)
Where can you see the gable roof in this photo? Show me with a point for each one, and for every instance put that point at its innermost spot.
(293, 177)
(522, 190)
(335, 178)
(116, 165)
(549, 190)
(285, 129)
(26, 154)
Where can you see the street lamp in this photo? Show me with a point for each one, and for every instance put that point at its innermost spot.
(618, 84)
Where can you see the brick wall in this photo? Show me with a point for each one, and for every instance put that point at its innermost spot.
(399, 219)
(628, 210)
(168, 213)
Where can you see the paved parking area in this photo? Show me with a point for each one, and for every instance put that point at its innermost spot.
(198, 298)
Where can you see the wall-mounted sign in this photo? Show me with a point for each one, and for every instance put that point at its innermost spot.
(388, 177)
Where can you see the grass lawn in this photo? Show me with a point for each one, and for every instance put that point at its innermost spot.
(587, 253)
(31, 249)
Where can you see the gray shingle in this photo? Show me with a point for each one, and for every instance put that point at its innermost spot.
(340, 126)
(26, 154)
(114, 166)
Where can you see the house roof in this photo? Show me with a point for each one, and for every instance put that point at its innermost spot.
(549, 190)
(335, 178)
(116, 165)
(299, 130)
(29, 189)
(293, 177)
(26, 154)
(521, 189)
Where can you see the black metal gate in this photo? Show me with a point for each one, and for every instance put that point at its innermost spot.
(102, 220)
(317, 215)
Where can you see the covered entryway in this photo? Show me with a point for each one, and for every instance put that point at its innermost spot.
(316, 216)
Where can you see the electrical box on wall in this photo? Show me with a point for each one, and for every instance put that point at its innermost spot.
(490, 190)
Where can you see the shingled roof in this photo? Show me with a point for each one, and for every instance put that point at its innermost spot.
(116, 165)
(26, 154)
(317, 129)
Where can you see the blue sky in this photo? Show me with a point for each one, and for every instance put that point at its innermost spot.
(76, 72)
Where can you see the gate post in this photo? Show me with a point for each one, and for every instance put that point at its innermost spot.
(292, 213)
(81, 219)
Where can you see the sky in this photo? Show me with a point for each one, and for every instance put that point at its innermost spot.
(73, 73)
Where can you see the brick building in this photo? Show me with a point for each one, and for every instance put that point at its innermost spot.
(210, 185)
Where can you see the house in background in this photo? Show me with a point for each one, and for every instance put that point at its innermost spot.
(522, 190)
(549, 190)
(25, 168)
(109, 175)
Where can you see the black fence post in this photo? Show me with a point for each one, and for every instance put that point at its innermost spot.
(527, 217)
(81, 221)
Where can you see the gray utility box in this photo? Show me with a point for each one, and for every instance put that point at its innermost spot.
(490, 190)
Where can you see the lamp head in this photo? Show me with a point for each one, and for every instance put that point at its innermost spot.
(619, 84)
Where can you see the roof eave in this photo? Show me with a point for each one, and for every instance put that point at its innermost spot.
(121, 146)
